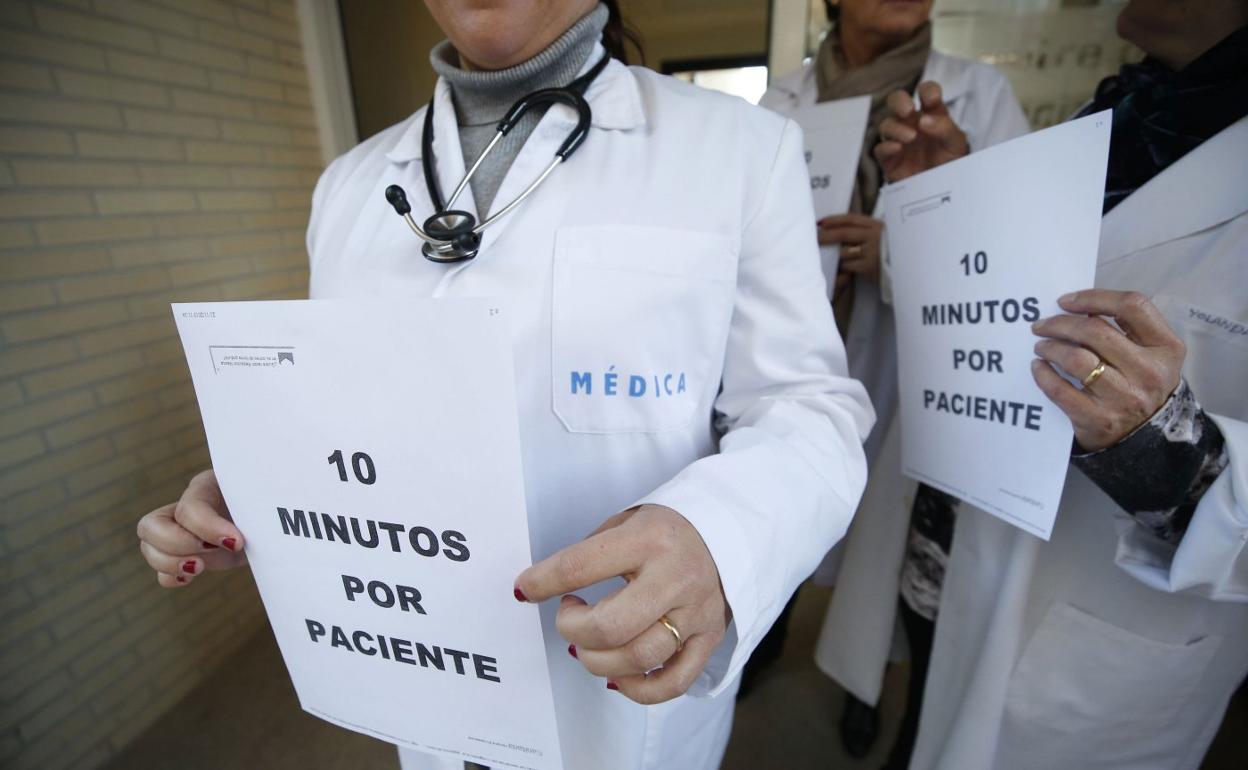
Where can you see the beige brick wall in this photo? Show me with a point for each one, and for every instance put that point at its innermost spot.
(150, 151)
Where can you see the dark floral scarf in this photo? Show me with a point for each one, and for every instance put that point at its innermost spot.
(1161, 115)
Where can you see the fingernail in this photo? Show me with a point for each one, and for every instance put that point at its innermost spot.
(206, 544)
(572, 650)
(1067, 297)
(927, 121)
(189, 567)
(520, 597)
(612, 685)
(229, 543)
(180, 578)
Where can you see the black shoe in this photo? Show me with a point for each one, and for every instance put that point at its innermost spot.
(860, 726)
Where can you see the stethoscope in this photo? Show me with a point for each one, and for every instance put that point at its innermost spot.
(453, 235)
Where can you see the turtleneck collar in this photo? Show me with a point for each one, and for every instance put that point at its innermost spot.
(482, 97)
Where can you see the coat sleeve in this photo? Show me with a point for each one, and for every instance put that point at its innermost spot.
(1211, 559)
(790, 470)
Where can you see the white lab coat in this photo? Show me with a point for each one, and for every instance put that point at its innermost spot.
(1105, 648)
(675, 248)
(982, 103)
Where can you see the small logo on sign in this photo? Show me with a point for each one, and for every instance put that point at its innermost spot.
(924, 205)
(237, 357)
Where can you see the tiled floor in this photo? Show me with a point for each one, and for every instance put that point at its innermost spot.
(247, 717)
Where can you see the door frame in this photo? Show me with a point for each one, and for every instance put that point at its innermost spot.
(329, 80)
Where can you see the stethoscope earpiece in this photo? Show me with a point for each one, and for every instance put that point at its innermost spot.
(396, 196)
(451, 235)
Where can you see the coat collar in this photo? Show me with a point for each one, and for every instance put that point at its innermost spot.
(953, 74)
(614, 97)
(1203, 189)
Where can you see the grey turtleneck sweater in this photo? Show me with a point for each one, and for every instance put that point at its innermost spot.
(482, 98)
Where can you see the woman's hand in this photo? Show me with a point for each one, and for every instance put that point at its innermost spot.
(912, 141)
(670, 575)
(1143, 363)
(183, 539)
(858, 236)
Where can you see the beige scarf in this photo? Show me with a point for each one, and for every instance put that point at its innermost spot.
(899, 68)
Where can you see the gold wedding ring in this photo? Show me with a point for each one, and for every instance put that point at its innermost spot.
(852, 250)
(680, 643)
(1095, 374)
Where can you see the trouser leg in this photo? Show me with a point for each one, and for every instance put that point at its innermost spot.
(921, 632)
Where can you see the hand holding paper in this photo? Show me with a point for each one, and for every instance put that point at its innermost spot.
(859, 236)
(915, 140)
(183, 539)
(1143, 363)
(670, 575)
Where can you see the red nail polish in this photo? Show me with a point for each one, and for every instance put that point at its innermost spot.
(572, 650)
(189, 567)
(520, 597)
(180, 578)
(206, 544)
(612, 685)
(229, 542)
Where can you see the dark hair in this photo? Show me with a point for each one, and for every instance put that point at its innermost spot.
(832, 10)
(617, 36)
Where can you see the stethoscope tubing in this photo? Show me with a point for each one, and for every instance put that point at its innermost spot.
(460, 229)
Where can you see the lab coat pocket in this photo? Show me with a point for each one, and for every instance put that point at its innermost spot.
(639, 323)
(1089, 694)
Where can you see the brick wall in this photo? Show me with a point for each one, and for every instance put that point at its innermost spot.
(150, 151)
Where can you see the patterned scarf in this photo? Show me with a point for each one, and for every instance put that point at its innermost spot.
(1161, 115)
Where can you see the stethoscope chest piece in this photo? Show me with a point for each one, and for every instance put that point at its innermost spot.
(450, 235)
(456, 238)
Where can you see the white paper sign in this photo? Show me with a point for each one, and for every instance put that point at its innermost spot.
(979, 248)
(833, 134)
(370, 454)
